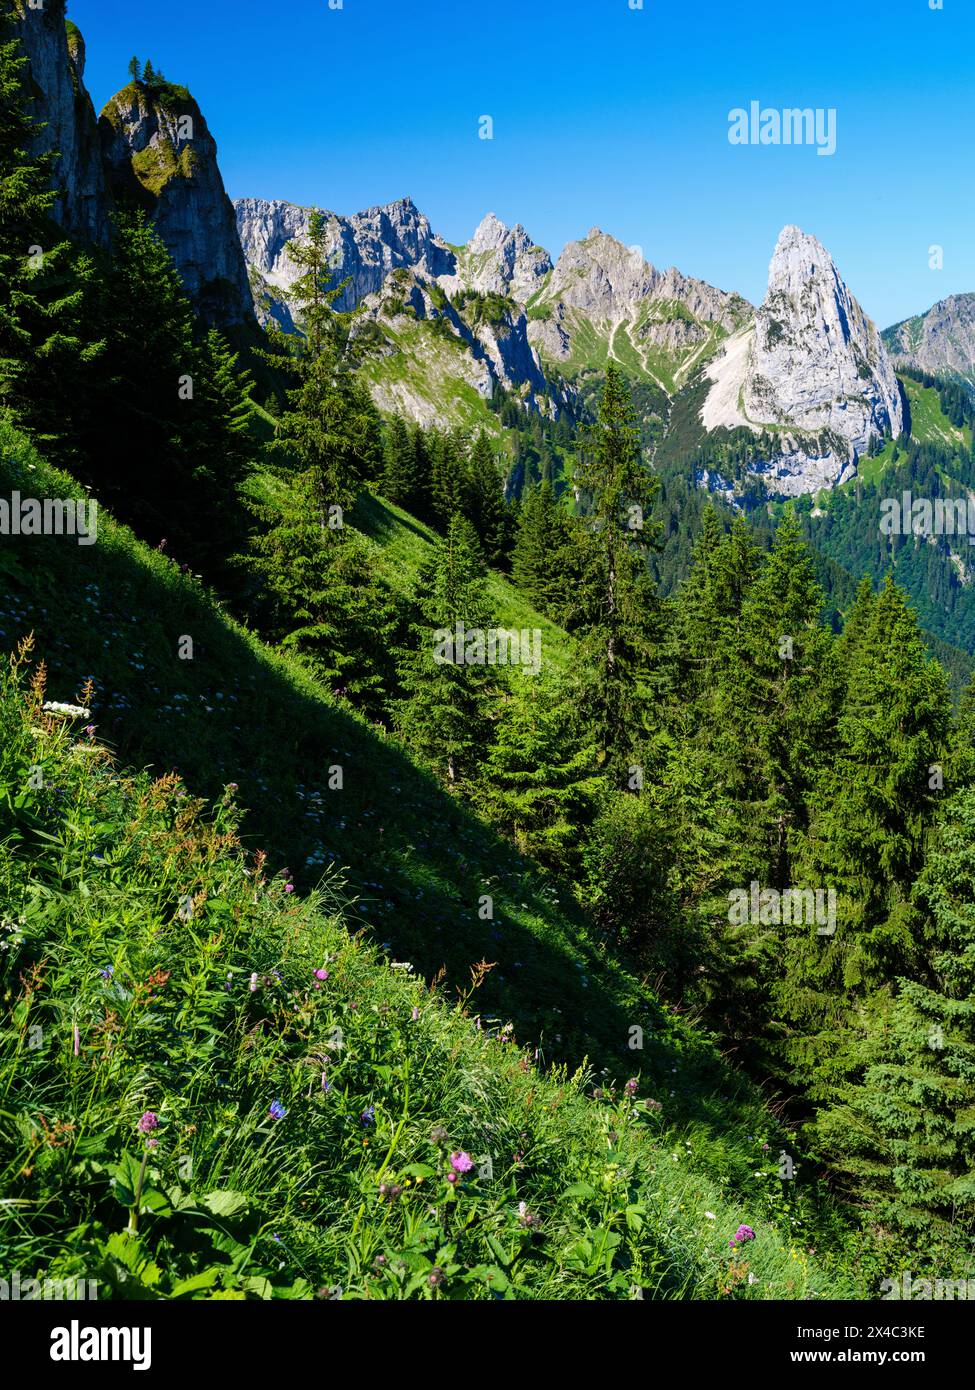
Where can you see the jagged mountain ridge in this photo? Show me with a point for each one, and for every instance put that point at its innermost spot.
(461, 322)
(941, 341)
(600, 301)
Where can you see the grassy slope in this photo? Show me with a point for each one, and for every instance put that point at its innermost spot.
(417, 860)
(152, 967)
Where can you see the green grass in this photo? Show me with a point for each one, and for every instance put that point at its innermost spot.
(403, 544)
(416, 861)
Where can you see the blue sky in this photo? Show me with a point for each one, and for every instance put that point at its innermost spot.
(603, 116)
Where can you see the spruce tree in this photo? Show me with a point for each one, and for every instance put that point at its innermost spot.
(486, 507)
(903, 1132)
(617, 595)
(539, 781)
(444, 713)
(398, 481)
(47, 346)
(873, 808)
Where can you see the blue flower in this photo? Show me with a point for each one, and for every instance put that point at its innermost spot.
(368, 1116)
(277, 1111)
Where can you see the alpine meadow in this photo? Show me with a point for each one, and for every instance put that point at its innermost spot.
(487, 737)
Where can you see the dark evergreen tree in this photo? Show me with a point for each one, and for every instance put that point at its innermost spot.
(447, 683)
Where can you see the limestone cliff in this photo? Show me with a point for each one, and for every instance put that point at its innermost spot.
(159, 154)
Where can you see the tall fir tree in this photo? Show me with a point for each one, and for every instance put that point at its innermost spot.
(621, 609)
(539, 781)
(444, 713)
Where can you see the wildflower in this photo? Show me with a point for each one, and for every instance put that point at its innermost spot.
(379, 1261)
(326, 1084)
(77, 1041)
(368, 1116)
(69, 711)
(438, 1135)
(148, 1123)
(277, 1110)
(253, 983)
(416, 1013)
(435, 1276)
(710, 1216)
(461, 1162)
(631, 1086)
(289, 888)
(526, 1217)
(321, 974)
(108, 972)
(452, 1178)
(742, 1234)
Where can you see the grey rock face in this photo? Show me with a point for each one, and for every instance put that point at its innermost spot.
(364, 249)
(812, 370)
(942, 341)
(56, 57)
(159, 152)
(636, 310)
(499, 260)
(817, 361)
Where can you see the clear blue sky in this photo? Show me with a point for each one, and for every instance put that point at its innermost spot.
(603, 116)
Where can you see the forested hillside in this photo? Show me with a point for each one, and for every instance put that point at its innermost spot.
(449, 862)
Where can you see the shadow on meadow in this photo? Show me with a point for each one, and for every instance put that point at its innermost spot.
(418, 862)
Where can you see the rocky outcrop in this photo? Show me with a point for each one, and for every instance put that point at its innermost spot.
(55, 51)
(500, 260)
(810, 371)
(485, 351)
(941, 342)
(159, 154)
(363, 249)
(604, 301)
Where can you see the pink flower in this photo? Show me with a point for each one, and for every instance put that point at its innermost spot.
(461, 1162)
(321, 974)
(416, 1014)
(148, 1122)
(289, 888)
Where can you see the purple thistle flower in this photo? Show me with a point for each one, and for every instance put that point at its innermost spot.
(461, 1162)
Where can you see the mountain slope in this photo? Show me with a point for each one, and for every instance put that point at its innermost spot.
(603, 301)
(941, 341)
(418, 860)
(290, 1082)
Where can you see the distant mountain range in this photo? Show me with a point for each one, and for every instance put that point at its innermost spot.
(804, 386)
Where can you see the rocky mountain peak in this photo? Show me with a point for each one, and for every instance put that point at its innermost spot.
(813, 366)
(159, 154)
(490, 234)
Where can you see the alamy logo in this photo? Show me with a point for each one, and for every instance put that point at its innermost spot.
(793, 125)
(17, 1290)
(768, 907)
(77, 1343)
(52, 516)
(907, 1287)
(908, 515)
(493, 646)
